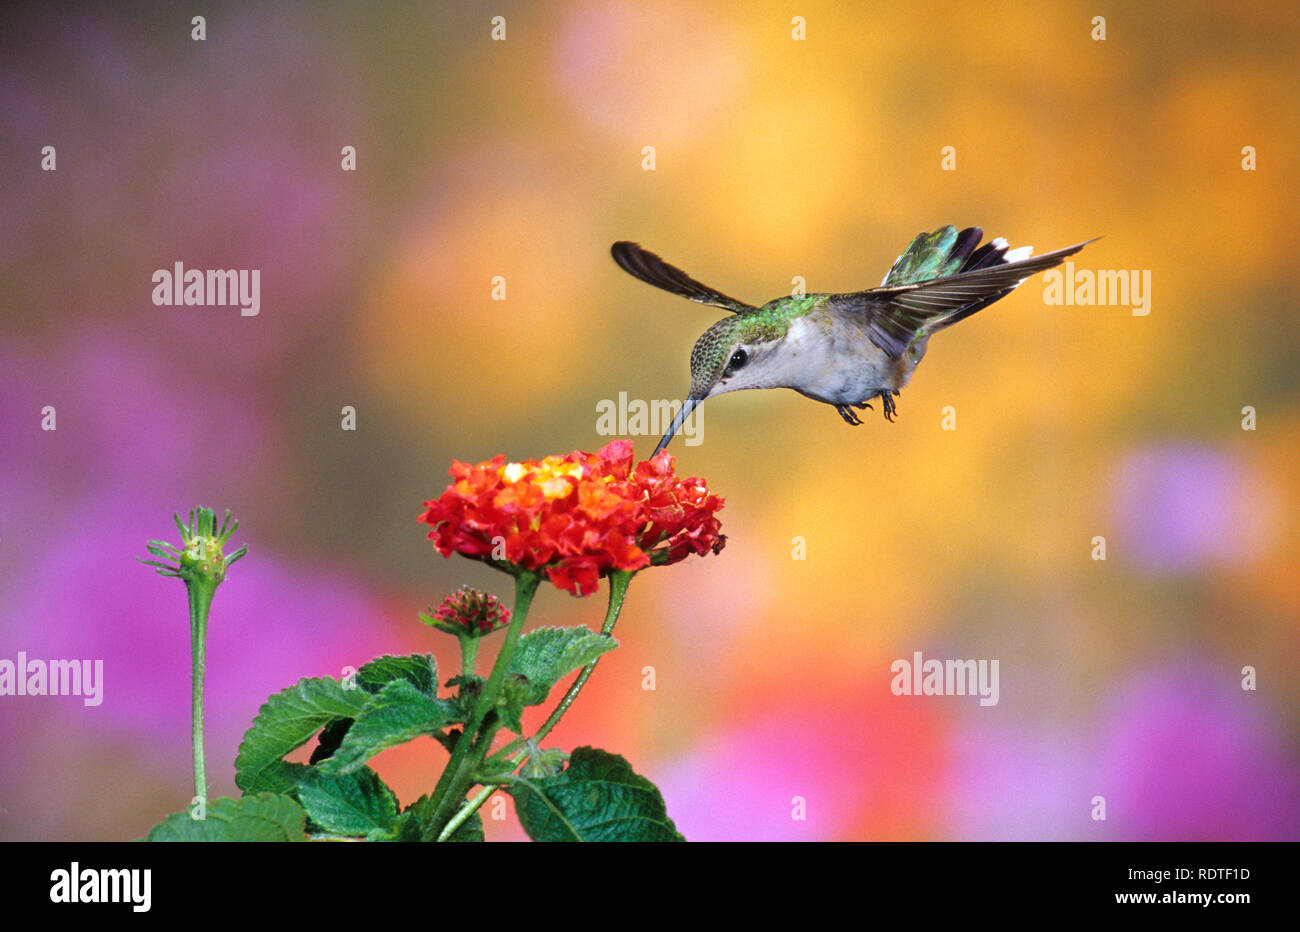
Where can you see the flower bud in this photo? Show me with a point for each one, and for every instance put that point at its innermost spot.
(469, 611)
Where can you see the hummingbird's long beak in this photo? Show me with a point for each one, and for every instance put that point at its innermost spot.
(687, 407)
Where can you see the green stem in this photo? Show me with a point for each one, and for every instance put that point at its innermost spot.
(200, 602)
(480, 747)
(468, 653)
(618, 583)
(474, 805)
(455, 779)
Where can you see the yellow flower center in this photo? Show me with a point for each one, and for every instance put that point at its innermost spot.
(549, 475)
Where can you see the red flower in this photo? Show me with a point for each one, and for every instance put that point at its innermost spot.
(576, 516)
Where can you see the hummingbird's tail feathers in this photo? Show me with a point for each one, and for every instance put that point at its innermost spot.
(934, 255)
(991, 254)
(994, 252)
(645, 265)
(900, 313)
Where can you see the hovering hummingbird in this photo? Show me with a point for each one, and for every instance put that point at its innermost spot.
(843, 349)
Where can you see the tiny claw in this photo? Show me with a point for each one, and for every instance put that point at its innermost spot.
(887, 400)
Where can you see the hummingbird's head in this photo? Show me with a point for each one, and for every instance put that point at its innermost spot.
(736, 352)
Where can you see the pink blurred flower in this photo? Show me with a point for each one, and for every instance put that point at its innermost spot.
(1184, 508)
(867, 772)
(1188, 755)
(1179, 753)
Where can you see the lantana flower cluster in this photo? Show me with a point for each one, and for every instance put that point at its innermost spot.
(576, 516)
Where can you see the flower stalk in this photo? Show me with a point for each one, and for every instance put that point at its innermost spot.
(469, 750)
(618, 583)
(200, 604)
(201, 563)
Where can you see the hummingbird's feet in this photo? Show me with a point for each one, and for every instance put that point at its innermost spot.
(887, 399)
(849, 415)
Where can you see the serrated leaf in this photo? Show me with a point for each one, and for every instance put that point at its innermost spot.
(285, 722)
(394, 715)
(421, 670)
(406, 827)
(260, 817)
(598, 797)
(546, 655)
(347, 804)
(418, 809)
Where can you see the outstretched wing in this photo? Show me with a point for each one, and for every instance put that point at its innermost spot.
(652, 270)
(897, 314)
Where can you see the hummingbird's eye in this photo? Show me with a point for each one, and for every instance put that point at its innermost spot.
(738, 359)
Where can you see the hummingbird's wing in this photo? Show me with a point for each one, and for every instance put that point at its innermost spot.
(652, 270)
(898, 314)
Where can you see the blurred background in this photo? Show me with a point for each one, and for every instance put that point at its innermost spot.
(774, 158)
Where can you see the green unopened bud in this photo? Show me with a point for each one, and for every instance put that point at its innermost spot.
(201, 557)
(543, 763)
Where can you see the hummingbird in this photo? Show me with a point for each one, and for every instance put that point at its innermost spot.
(843, 349)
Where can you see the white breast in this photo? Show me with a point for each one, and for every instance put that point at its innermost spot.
(835, 362)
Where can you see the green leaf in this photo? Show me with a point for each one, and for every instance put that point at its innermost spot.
(406, 827)
(285, 722)
(598, 797)
(347, 804)
(547, 654)
(395, 715)
(420, 669)
(260, 817)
